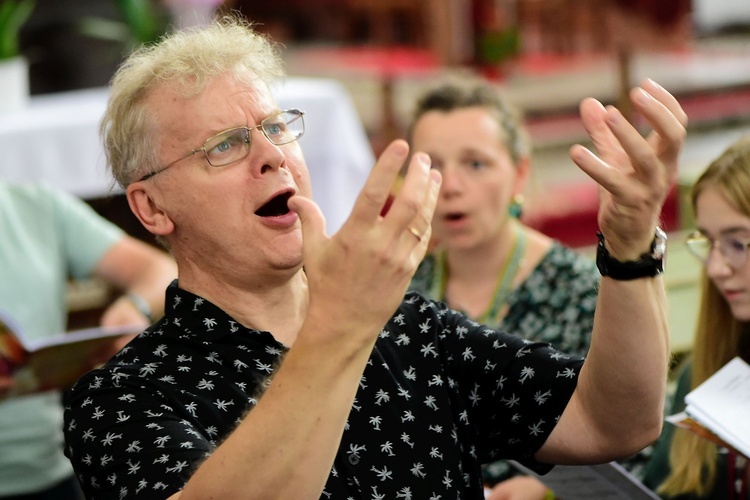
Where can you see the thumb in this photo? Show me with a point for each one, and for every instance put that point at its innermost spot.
(311, 217)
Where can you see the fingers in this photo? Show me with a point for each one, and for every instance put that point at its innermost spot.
(668, 100)
(374, 194)
(619, 144)
(660, 108)
(594, 118)
(410, 211)
(593, 166)
(634, 172)
(607, 129)
(311, 217)
(422, 223)
(666, 117)
(408, 206)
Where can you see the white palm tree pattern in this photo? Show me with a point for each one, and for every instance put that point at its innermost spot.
(555, 304)
(431, 438)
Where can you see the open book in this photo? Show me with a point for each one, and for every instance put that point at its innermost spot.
(592, 482)
(719, 408)
(53, 362)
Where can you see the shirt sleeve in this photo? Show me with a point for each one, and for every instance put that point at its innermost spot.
(514, 390)
(85, 235)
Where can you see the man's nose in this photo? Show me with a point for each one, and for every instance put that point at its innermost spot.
(264, 155)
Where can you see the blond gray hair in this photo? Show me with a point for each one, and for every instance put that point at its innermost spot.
(187, 61)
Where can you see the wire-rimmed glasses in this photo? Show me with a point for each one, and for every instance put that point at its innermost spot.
(233, 144)
(733, 249)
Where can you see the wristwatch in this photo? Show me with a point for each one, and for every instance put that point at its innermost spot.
(649, 264)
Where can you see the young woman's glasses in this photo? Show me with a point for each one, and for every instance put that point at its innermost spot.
(234, 144)
(734, 250)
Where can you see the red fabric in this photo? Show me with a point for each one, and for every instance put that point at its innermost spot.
(385, 61)
(569, 214)
(661, 12)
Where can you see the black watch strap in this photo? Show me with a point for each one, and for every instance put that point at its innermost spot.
(650, 264)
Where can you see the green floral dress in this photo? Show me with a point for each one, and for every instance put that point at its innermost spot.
(555, 304)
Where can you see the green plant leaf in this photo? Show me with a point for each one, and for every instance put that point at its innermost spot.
(13, 15)
(105, 29)
(140, 15)
(497, 46)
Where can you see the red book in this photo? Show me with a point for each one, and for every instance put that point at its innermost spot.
(56, 361)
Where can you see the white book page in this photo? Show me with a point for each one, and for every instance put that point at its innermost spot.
(32, 345)
(7, 323)
(722, 404)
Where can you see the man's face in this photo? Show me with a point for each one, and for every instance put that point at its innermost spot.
(232, 218)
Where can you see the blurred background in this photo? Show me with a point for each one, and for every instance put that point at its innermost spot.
(545, 54)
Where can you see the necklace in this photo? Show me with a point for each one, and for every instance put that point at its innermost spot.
(503, 285)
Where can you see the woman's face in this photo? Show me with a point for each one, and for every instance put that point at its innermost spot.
(479, 177)
(729, 229)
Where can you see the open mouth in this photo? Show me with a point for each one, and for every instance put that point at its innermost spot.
(276, 206)
(454, 216)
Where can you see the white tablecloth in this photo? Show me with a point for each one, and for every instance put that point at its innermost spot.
(57, 139)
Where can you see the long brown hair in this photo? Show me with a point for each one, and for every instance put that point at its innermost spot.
(719, 337)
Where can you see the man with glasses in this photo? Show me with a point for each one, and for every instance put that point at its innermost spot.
(290, 364)
(234, 144)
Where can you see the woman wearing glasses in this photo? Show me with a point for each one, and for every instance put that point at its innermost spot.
(685, 465)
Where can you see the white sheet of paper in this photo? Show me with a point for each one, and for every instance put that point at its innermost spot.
(722, 404)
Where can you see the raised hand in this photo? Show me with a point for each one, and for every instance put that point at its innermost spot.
(359, 275)
(634, 173)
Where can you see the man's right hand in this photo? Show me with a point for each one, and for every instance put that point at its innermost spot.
(358, 277)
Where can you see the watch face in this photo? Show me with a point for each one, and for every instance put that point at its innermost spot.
(660, 244)
(648, 265)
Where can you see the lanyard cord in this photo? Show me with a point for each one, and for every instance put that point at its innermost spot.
(503, 286)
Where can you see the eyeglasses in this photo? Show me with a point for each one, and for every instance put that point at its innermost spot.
(233, 145)
(733, 249)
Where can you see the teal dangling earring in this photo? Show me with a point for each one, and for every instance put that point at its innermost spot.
(515, 209)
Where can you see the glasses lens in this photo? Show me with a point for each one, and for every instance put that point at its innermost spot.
(699, 246)
(285, 127)
(228, 147)
(734, 251)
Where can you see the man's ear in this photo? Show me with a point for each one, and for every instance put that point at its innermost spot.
(153, 218)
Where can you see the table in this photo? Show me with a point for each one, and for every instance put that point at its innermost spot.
(56, 139)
